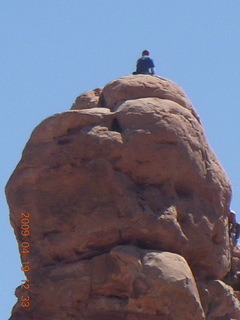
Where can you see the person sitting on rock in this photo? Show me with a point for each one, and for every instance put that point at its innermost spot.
(145, 64)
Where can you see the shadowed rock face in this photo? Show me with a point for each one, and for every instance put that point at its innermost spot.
(128, 208)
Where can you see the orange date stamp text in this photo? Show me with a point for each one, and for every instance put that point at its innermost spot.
(25, 249)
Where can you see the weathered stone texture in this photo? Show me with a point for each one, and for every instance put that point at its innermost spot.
(128, 209)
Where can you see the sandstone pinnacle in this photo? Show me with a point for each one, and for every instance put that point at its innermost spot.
(128, 211)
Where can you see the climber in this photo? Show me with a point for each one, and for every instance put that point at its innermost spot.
(234, 227)
(232, 221)
(144, 64)
(237, 231)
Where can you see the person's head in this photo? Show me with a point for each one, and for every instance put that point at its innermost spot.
(145, 53)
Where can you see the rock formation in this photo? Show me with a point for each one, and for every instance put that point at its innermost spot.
(128, 211)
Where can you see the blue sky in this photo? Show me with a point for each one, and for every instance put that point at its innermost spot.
(53, 50)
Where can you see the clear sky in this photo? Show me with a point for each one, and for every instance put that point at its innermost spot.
(53, 50)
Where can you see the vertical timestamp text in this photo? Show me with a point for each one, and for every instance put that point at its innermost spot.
(24, 247)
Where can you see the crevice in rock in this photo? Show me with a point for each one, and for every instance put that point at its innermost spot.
(71, 131)
(64, 141)
(183, 191)
(98, 251)
(116, 126)
(124, 298)
(102, 102)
